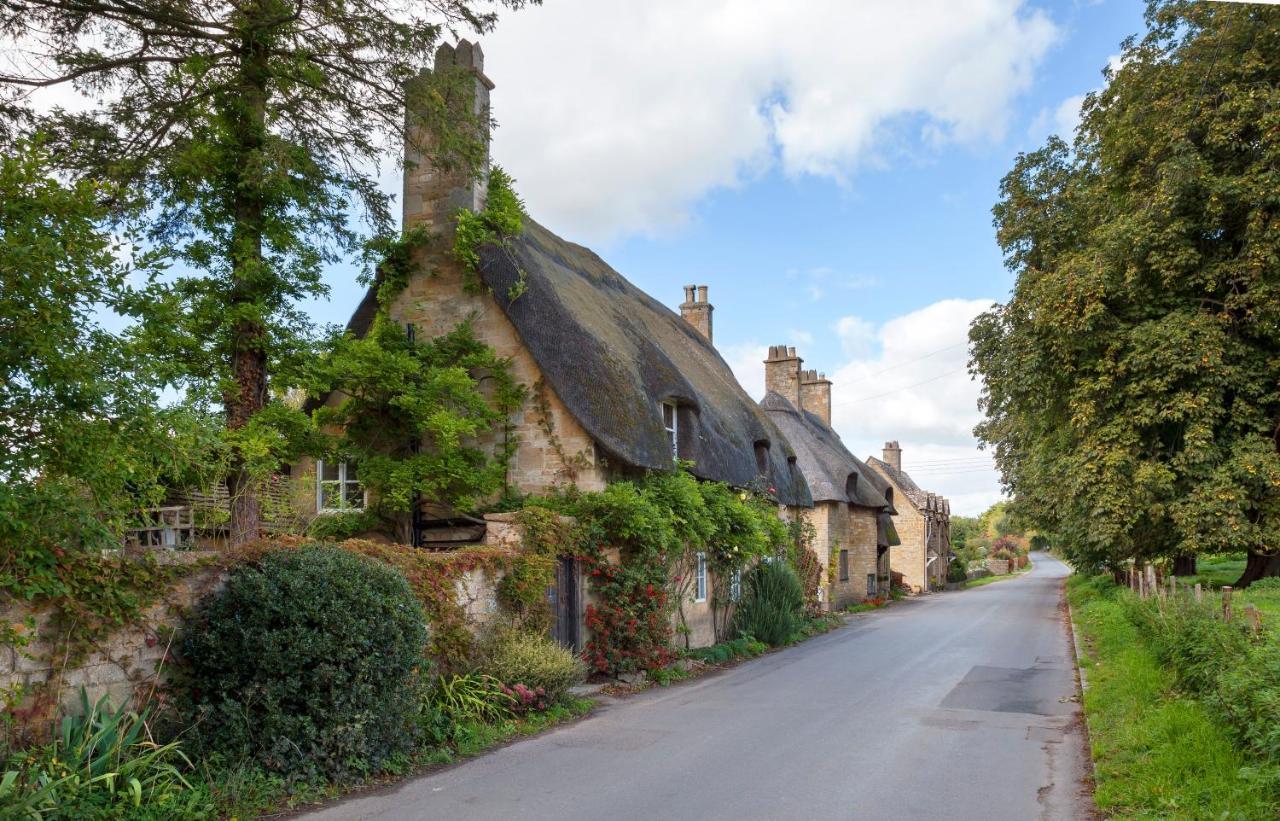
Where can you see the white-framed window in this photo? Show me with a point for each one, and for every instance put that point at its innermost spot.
(871, 584)
(671, 422)
(337, 487)
(700, 579)
(735, 585)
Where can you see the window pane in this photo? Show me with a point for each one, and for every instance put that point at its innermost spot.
(350, 471)
(329, 471)
(329, 496)
(668, 415)
(354, 495)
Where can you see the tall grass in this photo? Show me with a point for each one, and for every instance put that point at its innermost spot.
(1157, 752)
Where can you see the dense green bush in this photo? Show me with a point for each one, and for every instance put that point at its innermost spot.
(308, 662)
(744, 647)
(957, 571)
(338, 527)
(772, 605)
(520, 657)
(1235, 673)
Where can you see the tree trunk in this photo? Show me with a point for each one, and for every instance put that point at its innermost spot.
(248, 394)
(1184, 565)
(1258, 566)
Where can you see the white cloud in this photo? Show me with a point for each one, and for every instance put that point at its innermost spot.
(1065, 117)
(746, 360)
(906, 379)
(916, 388)
(856, 336)
(616, 117)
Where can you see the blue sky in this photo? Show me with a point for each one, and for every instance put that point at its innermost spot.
(829, 176)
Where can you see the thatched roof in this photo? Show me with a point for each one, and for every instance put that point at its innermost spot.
(886, 533)
(914, 493)
(833, 473)
(612, 353)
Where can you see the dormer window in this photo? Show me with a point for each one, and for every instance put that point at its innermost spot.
(671, 422)
(762, 456)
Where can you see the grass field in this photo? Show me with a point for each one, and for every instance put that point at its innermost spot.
(1216, 571)
(990, 579)
(1157, 753)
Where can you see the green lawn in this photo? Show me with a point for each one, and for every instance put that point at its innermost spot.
(1216, 571)
(1156, 753)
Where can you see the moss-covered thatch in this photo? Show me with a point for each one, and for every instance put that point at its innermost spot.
(832, 472)
(612, 354)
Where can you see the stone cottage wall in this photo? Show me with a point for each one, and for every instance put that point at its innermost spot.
(909, 557)
(127, 665)
(839, 526)
(131, 663)
(554, 449)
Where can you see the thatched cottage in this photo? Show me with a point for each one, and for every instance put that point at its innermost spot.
(852, 504)
(923, 521)
(620, 384)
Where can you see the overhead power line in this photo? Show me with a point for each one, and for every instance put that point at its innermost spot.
(898, 390)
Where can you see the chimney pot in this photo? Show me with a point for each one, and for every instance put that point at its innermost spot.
(696, 310)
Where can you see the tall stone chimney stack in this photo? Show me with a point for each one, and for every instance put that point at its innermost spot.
(893, 454)
(696, 310)
(431, 194)
(815, 394)
(782, 373)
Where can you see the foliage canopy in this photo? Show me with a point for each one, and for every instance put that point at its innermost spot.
(1132, 382)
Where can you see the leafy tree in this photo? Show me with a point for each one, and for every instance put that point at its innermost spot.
(83, 442)
(411, 413)
(247, 129)
(1132, 382)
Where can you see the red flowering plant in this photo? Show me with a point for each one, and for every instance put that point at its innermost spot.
(525, 699)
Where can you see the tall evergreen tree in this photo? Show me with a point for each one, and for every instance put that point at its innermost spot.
(1132, 381)
(249, 135)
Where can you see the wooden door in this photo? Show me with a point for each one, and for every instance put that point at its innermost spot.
(565, 597)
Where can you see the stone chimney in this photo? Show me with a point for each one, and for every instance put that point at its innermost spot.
(432, 194)
(815, 394)
(696, 310)
(893, 454)
(782, 373)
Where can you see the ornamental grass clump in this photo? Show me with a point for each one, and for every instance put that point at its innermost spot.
(518, 657)
(308, 662)
(772, 605)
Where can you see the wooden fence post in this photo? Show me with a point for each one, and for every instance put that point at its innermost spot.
(1255, 619)
(1152, 588)
(1226, 602)
(1199, 593)
(1173, 586)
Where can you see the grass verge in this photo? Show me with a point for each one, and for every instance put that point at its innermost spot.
(1156, 753)
(247, 792)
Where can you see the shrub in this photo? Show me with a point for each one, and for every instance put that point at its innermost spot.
(1235, 674)
(956, 571)
(535, 661)
(338, 527)
(307, 662)
(102, 762)
(472, 697)
(772, 605)
(743, 647)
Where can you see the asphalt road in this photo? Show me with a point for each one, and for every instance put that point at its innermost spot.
(952, 706)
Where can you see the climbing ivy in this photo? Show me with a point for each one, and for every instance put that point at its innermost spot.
(501, 218)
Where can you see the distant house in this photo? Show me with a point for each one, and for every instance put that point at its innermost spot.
(852, 504)
(923, 522)
(620, 384)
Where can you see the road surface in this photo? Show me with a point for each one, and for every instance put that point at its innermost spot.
(952, 706)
